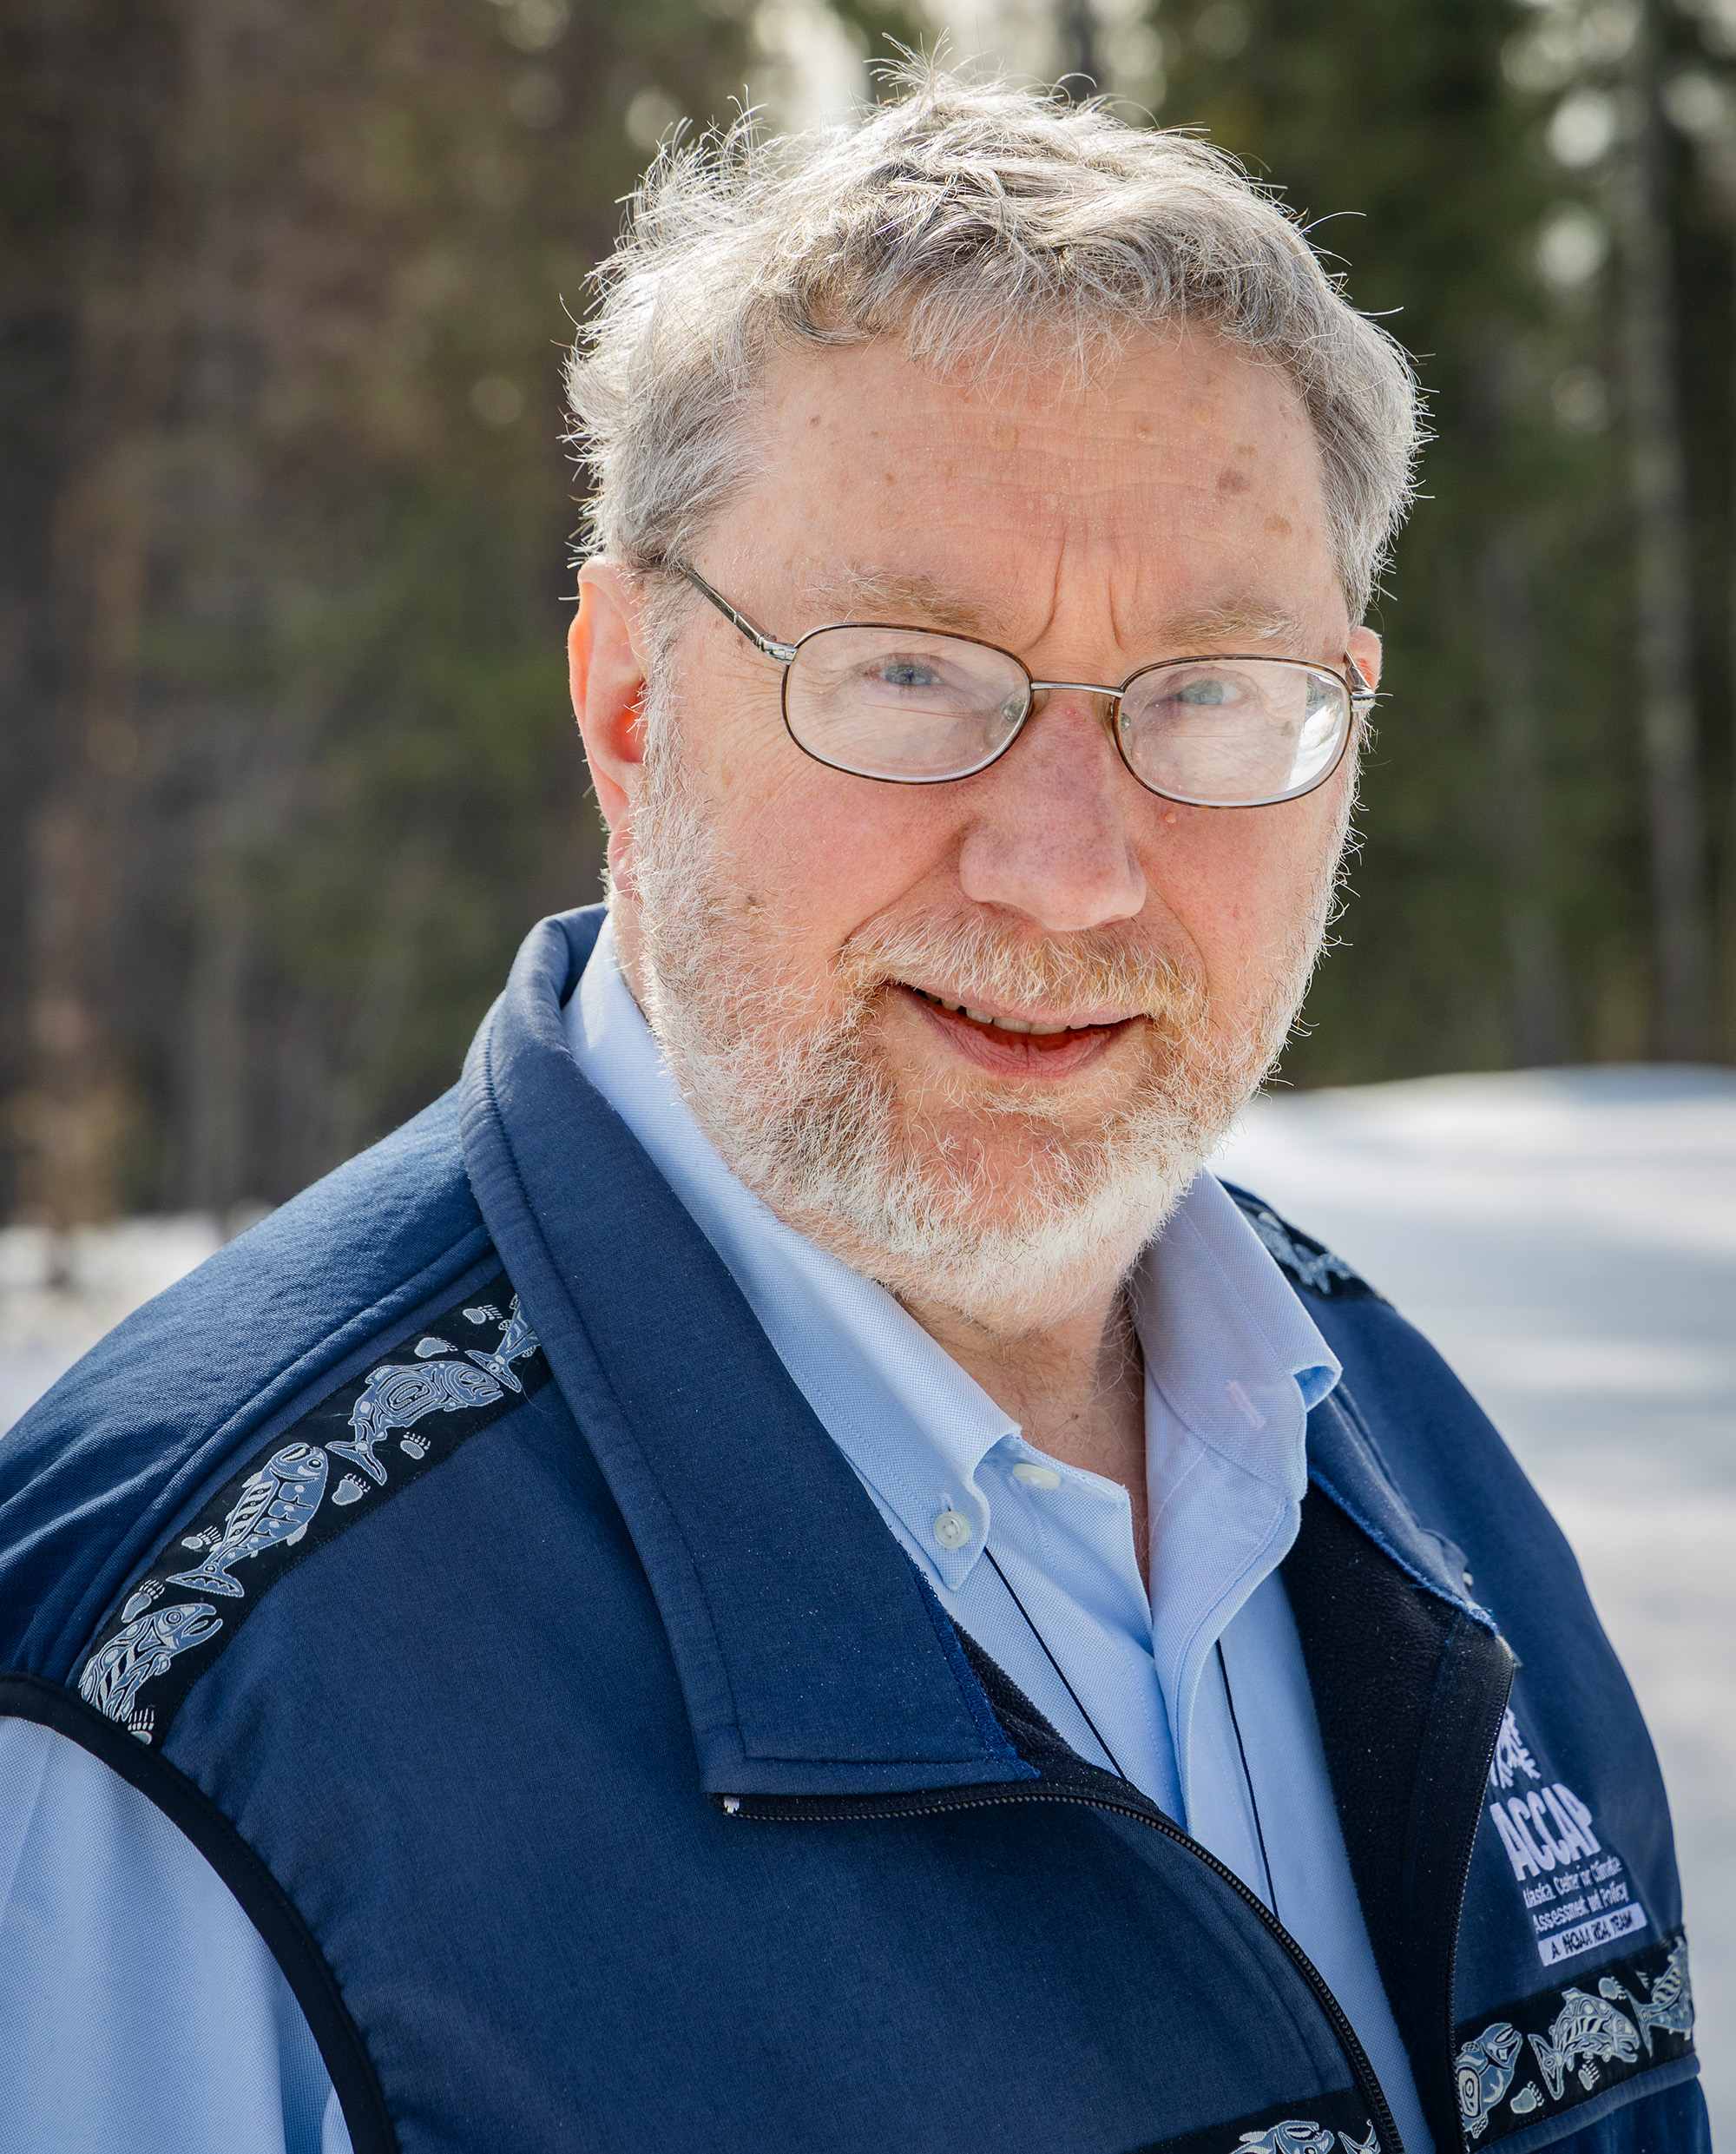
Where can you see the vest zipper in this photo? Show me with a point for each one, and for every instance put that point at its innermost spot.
(1386, 2130)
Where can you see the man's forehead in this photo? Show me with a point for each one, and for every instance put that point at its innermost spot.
(855, 591)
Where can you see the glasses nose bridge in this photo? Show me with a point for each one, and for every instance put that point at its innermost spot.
(1107, 698)
(1106, 701)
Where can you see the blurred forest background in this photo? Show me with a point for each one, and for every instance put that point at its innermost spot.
(285, 762)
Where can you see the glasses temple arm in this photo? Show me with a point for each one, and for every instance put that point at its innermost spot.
(782, 652)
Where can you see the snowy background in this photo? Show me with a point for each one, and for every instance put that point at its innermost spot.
(1567, 1238)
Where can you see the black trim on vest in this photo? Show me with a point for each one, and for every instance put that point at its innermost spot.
(1308, 1264)
(1333, 2122)
(1409, 1693)
(262, 1899)
(309, 1484)
(1568, 2045)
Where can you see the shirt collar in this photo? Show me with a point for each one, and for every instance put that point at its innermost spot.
(1226, 1341)
(1229, 1349)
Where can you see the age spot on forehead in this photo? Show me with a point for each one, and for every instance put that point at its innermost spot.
(1233, 482)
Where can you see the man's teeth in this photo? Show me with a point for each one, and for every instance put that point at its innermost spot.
(1004, 1024)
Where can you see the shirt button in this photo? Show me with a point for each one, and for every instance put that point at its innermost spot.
(1038, 1476)
(952, 1528)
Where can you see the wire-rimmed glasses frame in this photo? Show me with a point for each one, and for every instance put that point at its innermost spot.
(1331, 711)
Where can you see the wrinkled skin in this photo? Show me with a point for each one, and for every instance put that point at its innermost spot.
(1172, 508)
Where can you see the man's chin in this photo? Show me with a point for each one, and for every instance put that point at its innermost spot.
(1013, 1250)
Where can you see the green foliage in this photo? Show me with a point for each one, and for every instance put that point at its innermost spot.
(350, 779)
(285, 523)
(1501, 908)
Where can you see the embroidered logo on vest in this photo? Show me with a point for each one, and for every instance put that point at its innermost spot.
(278, 1508)
(1563, 2046)
(1574, 1889)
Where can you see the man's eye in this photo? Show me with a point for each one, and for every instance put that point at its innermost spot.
(1210, 691)
(908, 673)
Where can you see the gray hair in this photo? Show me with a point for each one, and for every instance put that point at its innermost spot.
(961, 216)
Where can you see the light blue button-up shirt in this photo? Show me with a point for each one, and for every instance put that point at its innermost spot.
(1232, 1364)
(102, 1900)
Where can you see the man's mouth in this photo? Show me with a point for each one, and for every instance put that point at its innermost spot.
(1066, 1037)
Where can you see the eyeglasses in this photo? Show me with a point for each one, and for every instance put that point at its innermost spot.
(910, 707)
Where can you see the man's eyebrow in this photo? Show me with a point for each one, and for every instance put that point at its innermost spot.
(897, 595)
(1238, 623)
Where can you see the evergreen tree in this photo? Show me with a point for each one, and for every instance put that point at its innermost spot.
(1475, 164)
(287, 523)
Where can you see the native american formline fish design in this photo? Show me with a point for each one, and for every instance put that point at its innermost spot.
(112, 1676)
(278, 1502)
(1483, 2069)
(275, 1504)
(1318, 1272)
(398, 1393)
(396, 1397)
(1587, 2027)
(1300, 2134)
(516, 1340)
(1670, 2006)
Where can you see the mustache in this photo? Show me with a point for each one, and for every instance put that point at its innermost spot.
(982, 960)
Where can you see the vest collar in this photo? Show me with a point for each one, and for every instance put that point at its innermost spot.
(1344, 1464)
(812, 1656)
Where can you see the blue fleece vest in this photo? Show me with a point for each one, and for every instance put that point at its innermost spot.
(453, 1560)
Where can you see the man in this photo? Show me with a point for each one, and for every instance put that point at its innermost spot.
(783, 1569)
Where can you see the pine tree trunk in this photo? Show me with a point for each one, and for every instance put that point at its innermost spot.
(1664, 609)
(1540, 1018)
(119, 65)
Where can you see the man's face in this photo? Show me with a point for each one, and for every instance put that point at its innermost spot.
(800, 938)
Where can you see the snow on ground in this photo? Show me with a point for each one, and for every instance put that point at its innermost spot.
(59, 1295)
(1567, 1238)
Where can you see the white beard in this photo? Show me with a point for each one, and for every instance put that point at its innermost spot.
(782, 1071)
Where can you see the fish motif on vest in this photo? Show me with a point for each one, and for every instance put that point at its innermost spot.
(517, 1339)
(397, 1397)
(1484, 2070)
(280, 1504)
(1315, 1267)
(399, 1393)
(1588, 2028)
(275, 1504)
(1670, 2006)
(144, 1649)
(1300, 2135)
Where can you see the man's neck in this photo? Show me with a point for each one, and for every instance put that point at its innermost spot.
(1075, 1388)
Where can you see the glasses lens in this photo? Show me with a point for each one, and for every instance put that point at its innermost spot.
(1228, 733)
(899, 703)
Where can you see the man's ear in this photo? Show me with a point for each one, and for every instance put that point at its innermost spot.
(1364, 646)
(606, 665)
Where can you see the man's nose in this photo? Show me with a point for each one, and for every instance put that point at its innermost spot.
(1052, 833)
